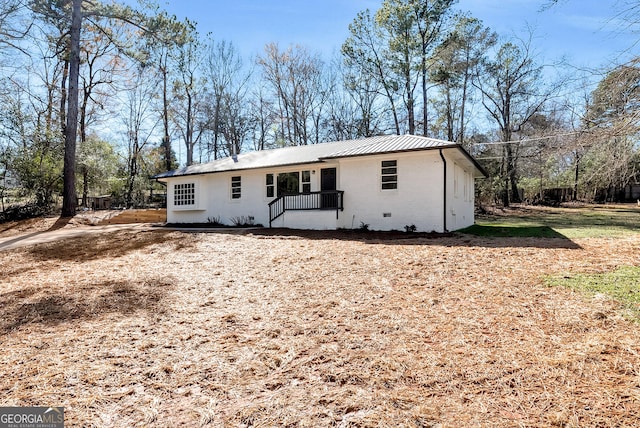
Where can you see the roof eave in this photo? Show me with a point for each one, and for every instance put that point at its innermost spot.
(284, 165)
(475, 163)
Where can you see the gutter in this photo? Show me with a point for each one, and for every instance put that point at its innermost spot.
(444, 199)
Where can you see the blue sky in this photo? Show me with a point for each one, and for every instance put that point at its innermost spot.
(586, 32)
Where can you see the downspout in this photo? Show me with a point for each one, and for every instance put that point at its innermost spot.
(444, 199)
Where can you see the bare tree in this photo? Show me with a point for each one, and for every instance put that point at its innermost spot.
(229, 82)
(341, 118)
(454, 63)
(366, 95)
(295, 77)
(613, 122)
(13, 27)
(262, 118)
(69, 200)
(101, 63)
(73, 12)
(140, 122)
(512, 93)
(397, 22)
(364, 52)
(431, 17)
(161, 44)
(189, 91)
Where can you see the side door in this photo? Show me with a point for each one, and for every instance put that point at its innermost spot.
(328, 183)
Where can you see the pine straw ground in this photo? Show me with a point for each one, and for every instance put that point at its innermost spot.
(169, 329)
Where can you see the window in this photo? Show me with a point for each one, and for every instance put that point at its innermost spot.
(184, 194)
(466, 186)
(288, 182)
(270, 186)
(306, 181)
(456, 186)
(389, 175)
(236, 187)
(470, 186)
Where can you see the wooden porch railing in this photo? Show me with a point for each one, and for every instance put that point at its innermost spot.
(326, 200)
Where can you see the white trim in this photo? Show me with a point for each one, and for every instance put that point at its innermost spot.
(196, 196)
(273, 186)
(232, 187)
(381, 183)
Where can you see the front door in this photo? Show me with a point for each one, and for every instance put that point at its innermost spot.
(328, 183)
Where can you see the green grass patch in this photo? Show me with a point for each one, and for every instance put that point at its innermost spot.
(622, 285)
(512, 231)
(587, 222)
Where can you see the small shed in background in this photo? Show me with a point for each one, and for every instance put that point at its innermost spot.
(99, 202)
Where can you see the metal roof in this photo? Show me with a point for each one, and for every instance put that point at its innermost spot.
(390, 144)
(318, 153)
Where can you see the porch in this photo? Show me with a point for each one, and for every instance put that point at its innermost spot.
(327, 201)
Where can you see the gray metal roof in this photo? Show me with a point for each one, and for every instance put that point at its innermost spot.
(318, 153)
(390, 144)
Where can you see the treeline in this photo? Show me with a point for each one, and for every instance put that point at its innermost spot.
(154, 94)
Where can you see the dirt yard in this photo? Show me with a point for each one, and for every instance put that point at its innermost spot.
(83, 218)
(162, 328)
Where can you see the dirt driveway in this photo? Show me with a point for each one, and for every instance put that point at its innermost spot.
(50, 229)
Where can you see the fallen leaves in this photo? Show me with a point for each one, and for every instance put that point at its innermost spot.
(228, 328)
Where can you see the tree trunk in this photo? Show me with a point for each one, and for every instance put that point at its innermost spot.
(396, 121)
(4, 181)
(133, 172)
(512, 175)
(450, 124)
(410, 100)
(63, 96)
(505, 177)
(189, 132)
(463, 106)
(85, 185)
(389, 94)
(541, 186)
(575, 180)
(69, 199)
(425, 125)
(83, 113)
(216, 125)
(166, 140)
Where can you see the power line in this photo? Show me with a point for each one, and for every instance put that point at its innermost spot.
(527, 140)
(501, 157)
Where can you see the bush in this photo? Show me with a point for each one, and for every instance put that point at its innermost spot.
(215, 221)
(243, 221)
(22, 212)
